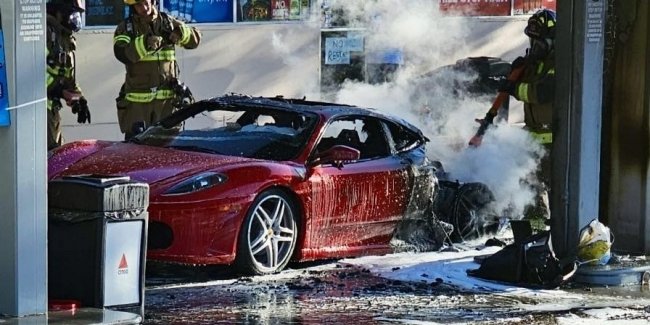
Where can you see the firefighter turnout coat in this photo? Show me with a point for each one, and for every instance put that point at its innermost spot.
(536, 90)
(151, 74)
(60, 75)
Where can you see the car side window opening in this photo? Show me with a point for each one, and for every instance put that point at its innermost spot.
(363, 133)
(403, 139)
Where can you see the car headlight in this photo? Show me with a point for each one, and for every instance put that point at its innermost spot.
(197, 183)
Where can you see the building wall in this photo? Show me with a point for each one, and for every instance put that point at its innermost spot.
(253, 59)
(627, 119)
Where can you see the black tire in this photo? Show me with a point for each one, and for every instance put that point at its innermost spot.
(471, 214)
(268, 236)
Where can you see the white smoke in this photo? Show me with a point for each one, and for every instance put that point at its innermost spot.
(428, 40)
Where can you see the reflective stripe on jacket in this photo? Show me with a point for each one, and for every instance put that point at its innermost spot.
(536, 89)
(148, 97)
(543, 137)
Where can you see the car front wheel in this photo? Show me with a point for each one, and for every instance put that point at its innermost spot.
(268, 236)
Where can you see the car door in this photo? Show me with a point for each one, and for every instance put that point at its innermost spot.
(423, 183)
(356, 206)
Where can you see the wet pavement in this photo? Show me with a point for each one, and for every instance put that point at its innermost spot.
(333, 293)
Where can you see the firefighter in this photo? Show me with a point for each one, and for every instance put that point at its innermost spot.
(63, 20)
(145, 43)
(536, 89)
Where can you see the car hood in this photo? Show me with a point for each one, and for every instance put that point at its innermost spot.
(147, 164)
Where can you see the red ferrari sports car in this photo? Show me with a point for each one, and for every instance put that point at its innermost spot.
(258, 182)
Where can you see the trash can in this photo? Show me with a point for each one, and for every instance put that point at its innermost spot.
(97, 227)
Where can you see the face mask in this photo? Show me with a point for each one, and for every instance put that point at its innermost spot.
(74, 21)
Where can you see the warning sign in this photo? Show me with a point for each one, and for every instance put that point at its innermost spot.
(123, 268)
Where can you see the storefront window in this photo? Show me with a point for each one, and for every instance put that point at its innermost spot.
(494, 7)
(525, 7)
(476, 8)
(104, 12)
(267, 10)
(200, 11)
(112, 12)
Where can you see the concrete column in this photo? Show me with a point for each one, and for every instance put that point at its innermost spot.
(577, 121)
(23, 167)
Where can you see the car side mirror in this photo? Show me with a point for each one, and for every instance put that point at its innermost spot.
(336, 155)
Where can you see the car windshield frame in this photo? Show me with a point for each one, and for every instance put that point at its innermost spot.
(284, 137)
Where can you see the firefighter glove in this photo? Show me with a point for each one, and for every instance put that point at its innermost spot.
(154, 42)
(488, 119)
(80, 107)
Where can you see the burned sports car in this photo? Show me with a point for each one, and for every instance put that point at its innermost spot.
(257, 182)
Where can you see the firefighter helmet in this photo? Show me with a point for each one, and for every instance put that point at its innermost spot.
(541, 25)
(74, 5)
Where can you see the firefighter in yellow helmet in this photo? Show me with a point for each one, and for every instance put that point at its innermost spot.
(146, 43)
(63, 20)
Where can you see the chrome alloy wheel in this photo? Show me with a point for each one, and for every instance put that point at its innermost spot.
(271, 233)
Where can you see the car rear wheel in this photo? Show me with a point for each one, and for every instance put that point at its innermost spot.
(472, 214)
(468, 207)
(268, 236)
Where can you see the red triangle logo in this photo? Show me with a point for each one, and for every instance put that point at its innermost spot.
(123, 264)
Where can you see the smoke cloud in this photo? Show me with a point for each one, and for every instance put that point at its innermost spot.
(428, 40)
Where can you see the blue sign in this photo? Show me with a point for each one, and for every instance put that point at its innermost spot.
(4, 99)
(386, 56)
(200, 11)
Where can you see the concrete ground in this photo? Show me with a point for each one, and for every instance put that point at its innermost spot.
(81, 316)
(352, 291)
(342, 293)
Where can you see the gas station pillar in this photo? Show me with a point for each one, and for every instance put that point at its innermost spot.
(23, 167)
(577, 121)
